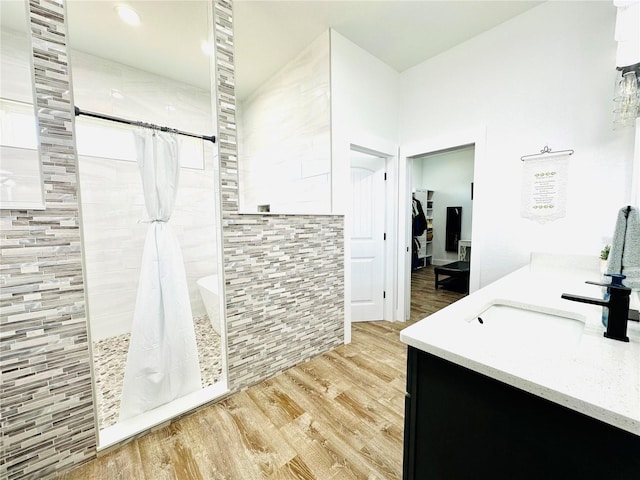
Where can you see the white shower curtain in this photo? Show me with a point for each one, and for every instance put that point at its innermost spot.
(162, 363)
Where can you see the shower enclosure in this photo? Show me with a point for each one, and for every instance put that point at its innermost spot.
(150, 217)
(115, 225)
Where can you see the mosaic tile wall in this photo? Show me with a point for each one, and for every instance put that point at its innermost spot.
(284, 278)
(284, 275)
(46, 412)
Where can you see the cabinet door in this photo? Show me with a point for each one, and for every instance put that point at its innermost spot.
(460, 424)
(410, 403)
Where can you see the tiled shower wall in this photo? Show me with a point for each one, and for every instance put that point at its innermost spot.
(283, 274)
(284, 278)
(47, 416)
(285, 152)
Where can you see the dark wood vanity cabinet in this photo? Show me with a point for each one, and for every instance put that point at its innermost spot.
(460, 424)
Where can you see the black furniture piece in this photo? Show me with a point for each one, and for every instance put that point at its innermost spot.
(457, 276)
(460, 424)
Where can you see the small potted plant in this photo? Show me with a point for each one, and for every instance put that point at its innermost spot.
(604, 256)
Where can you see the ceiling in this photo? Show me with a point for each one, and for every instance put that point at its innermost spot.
(400, 33)
(269, 33)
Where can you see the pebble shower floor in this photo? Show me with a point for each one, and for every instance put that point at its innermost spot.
(110, 356)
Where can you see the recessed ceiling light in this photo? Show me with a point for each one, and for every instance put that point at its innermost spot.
(116, 94)
(128, 15)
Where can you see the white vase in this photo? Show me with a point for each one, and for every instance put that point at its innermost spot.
(604, 264)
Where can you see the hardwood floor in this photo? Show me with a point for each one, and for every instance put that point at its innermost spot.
(337, 416)
(425, 299)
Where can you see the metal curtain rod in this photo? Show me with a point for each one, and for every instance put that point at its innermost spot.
(102, 116)
(546, 151)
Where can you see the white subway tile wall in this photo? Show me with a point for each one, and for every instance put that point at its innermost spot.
(284, 137)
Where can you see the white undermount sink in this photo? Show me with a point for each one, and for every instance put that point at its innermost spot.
(514, 328)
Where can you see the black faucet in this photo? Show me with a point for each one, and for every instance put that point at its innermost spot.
(618, 304)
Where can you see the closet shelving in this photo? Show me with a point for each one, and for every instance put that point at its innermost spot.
(428, 211)
(423, 243)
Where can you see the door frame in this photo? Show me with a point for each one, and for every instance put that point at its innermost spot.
(433, 144)
(388, 152)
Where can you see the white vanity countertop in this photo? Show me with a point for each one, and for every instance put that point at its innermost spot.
(595, 375)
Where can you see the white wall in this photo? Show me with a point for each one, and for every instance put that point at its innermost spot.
(364, 109)
(449, 175)
(112, 202)
(364, 105)
(545, 77)
(417, 167)
(284, 143)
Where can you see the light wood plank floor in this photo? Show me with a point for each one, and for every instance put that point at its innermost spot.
(337, 416)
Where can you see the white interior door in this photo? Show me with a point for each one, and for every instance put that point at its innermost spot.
(367, 237)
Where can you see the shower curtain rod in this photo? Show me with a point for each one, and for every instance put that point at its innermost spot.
(102, 116)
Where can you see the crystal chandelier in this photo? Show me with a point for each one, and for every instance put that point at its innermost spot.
(627, 97)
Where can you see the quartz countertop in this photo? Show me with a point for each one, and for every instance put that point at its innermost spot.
(594, 375)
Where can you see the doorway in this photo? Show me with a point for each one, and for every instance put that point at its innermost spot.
(441, 183)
